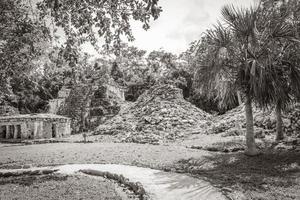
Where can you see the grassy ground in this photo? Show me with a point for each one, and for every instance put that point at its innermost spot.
(55, 187)
(271, 176)
(274, 175)
(116, 153)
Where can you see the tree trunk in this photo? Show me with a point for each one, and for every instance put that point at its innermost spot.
(74, 81)
(279, 132)
(238, 93)
(250, 140)
(85, 110)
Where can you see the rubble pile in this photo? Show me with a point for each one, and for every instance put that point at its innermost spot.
(230, 121)
(293, 121)
(264, 121)
(160, 114)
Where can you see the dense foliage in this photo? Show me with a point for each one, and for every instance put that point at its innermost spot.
(23, 41)
(34, 66)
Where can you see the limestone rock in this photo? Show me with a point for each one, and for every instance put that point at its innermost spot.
(160, 114)
(264, 122)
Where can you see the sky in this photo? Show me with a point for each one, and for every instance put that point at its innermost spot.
(180, 23)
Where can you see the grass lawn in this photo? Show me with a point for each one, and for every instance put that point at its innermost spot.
(54, 187)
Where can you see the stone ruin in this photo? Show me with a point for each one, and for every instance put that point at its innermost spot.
(160, 114)
(264, 122)
(15, 126)
(55, 104)
(88, 105)
(34, 126)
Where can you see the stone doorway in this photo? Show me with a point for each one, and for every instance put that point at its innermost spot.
(19, 133)
(11, 130)
(3, 132)
(54, 132)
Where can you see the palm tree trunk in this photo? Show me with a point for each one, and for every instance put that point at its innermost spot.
(279, 132)
(238, 93)
(250, 140)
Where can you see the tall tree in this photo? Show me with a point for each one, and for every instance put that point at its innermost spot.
(23, 39)
(285, 50)
(242, 53)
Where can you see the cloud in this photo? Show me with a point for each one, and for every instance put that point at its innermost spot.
(181, 22)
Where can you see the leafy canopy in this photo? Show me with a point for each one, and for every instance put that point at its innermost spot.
(108, 19)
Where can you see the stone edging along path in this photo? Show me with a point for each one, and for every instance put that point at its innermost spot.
(158, 185)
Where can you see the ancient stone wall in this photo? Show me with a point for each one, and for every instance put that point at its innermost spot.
(13, 130)
(32, 127)
(90, 105)
(112, 90)
(54, 105)
(63, 129)
(75, 105)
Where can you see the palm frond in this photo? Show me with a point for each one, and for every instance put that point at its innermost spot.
(241, 20)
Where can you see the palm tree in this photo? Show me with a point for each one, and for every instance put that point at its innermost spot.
(285, 48)
(227, 62)
(241, 52)
(289, 81)
(230, 45)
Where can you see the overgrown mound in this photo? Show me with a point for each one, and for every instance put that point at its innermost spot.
(159, 114)
(264, 121)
